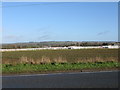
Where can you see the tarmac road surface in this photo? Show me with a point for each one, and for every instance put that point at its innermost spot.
(104, 79)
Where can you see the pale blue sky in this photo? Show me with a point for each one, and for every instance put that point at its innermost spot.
(80, 21)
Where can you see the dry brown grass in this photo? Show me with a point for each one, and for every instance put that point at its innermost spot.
(60, 60)
(43, 60)
(23, 60)
(97, 59)
(46, 60)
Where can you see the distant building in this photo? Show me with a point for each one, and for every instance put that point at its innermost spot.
(111, 46)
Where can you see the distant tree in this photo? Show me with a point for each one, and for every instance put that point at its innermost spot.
(77, 44)
(105, 44)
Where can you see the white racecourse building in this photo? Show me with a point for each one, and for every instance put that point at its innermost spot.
(70, 47)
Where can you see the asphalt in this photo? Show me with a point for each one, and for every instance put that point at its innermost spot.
(107, 79)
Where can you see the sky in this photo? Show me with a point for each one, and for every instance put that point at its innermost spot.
(59, 21)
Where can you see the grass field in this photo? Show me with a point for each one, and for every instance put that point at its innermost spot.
(48, 56)
(53, 60)
(28, 68)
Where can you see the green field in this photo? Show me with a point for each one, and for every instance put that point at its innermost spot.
(56, 60)
(33, 68)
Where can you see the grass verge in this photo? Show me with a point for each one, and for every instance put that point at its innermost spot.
(29, 68)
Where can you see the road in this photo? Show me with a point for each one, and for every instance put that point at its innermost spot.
(104, 79)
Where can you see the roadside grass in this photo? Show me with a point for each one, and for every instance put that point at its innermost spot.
(24, 68)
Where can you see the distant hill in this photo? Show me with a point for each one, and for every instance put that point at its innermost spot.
(56, 44)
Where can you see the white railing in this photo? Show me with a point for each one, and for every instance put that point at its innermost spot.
(54, 48)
